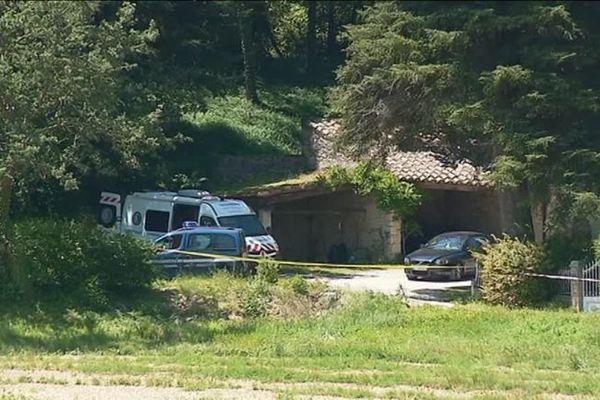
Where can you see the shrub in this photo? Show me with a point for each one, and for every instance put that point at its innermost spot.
(225, 295)
(69, 258)
(268, 270)
(504, 268)
(597, 247)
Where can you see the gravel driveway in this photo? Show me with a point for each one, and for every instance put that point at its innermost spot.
(394, 281)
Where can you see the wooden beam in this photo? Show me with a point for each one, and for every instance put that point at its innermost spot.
(319, 212)
(454, 187)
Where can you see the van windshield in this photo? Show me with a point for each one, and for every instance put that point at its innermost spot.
(249, 223)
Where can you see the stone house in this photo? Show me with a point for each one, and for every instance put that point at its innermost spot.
(307, 219)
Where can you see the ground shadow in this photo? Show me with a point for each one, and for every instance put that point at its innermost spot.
(142, 319)
(446, 294)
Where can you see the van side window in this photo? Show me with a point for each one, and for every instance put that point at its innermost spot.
(157, 221)
(183, 213)
(223, 242)
(207, 221)
(170, 242)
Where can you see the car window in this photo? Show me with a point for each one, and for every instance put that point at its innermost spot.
(170, 242)
(223, 242)
(446, 242)
(207, 221)
(199, 242)
(249, 223)
(183, 213)
(476, 243)
(157, 221)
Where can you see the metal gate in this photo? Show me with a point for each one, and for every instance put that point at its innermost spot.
(591, 286)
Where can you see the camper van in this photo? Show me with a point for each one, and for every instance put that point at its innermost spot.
(152, 214)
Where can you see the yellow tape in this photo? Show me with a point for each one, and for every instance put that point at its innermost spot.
(359, 266)
(314, 264)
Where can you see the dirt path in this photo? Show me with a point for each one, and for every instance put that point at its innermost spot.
(68, 385)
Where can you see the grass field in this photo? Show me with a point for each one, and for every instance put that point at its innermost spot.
(369, 346)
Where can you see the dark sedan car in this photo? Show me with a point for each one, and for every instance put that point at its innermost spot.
(450, 253)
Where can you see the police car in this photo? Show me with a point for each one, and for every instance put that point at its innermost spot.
(178, 248)
(152, 214)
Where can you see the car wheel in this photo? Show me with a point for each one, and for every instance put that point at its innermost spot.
(410, 277)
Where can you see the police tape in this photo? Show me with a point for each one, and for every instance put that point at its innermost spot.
(311, 264)
(228, 258)
(562, 277)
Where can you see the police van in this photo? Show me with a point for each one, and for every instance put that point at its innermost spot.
(152, 214)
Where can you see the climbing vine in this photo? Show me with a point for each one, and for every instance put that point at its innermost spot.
(390, 193)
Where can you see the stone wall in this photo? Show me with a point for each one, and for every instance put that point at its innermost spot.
(306, 229)
(234, 170)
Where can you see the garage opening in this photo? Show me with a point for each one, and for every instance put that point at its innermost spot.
(454, 210)
(335, 227)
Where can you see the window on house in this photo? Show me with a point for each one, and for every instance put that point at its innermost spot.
(157, 221)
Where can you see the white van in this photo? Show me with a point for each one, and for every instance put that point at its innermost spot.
(152, 214)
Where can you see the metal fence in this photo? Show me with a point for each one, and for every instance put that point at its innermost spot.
(584, 291)
(591, 272)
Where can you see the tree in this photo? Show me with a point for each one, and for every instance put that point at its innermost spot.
(311, 35)
(67, 106)
(247, 20)
(331, 28)
(516, 79)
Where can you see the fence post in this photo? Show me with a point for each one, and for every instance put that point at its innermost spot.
(576, 285)
(476, 282)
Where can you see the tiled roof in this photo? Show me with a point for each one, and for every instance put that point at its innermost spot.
(414, 166)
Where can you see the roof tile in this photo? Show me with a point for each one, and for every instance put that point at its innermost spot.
(413, 166)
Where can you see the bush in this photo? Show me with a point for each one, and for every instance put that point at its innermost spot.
(69, 258)
(504, 267)
(225, 295)
(268, 271)
(597, 247)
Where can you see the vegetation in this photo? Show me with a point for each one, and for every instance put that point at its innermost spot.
(77, 262)
(371, 346)
(512, 85)
(401, 198)
(391, 194)
(504, 269)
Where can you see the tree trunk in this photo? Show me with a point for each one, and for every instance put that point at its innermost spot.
(6, 187)
(249, 53)
(311, 36)
(537, 209)
(331, 29)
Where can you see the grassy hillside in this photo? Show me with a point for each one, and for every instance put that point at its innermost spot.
(272, 127)
(371, 346)
(231, 125)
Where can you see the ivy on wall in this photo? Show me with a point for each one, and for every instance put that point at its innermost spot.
(391, 194)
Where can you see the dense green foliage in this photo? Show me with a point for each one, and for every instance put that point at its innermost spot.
(504, 269)
(151, 94)
(513, 84)
(69, 106)
(391, 194)
(58, 258)
(130, 96)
